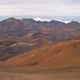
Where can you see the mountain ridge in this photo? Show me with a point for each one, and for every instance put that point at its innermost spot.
(30, 34)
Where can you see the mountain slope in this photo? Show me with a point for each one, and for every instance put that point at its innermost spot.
(66, 54)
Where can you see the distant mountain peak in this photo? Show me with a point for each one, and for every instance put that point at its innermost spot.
(28, 20)
(11, 19)
(74, 22)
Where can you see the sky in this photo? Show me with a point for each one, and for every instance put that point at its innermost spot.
(39, 7)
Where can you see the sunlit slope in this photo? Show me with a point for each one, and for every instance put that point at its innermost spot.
(63, 54)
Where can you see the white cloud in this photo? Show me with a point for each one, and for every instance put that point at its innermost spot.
(42, 19)
(39, 8)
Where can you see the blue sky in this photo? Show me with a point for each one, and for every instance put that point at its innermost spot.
(40, 8)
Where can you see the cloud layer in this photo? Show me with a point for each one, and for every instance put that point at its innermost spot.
(40, 8)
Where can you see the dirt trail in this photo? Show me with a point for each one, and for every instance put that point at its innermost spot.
(40, 76)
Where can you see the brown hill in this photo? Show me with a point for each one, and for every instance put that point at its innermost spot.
(65, 54)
